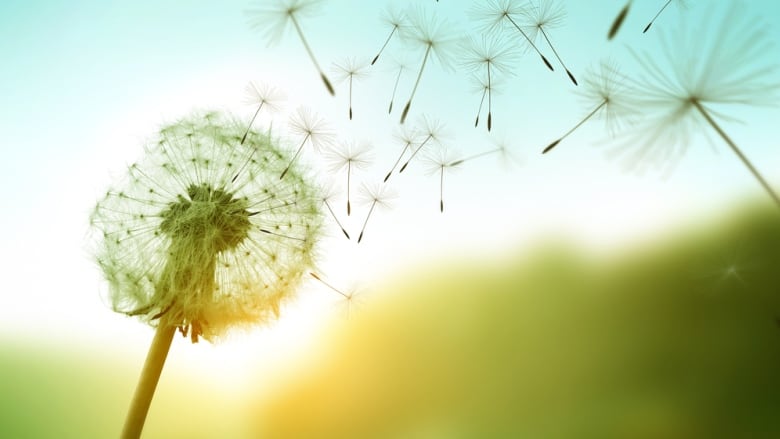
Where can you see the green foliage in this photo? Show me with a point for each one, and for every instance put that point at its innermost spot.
(661, 342)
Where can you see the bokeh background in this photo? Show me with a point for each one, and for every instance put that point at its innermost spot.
(556, 296)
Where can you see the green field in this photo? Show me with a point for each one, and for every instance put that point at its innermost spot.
(677, 338)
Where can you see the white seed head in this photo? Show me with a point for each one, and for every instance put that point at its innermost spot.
(202, 233)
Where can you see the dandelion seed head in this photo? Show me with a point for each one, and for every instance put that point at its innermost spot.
(307, 124)
(263, 94)
(429, 33)
(274, 17)
(726, 60)
(479, 83)
(441, 159)
(544, 14)
(431, 128)
(494, 15)
(353, 154)
(606, 84)
(201, 233)
(350, 68)
(376, 193)
(492, 51)
(394, 18)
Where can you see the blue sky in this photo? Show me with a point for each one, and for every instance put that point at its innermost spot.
(85, 84)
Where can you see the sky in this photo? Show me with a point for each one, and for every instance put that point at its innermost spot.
(85, 84)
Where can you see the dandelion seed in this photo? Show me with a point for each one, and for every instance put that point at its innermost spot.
(494, 56)
(427, 32)
(312, 128)
(606, 89)
(262, 96)
(349, 156)
(431, 133)
(405, 137)
(326, 201)
(400, 68)
(618, 22)
(182, 244)
(496, 14)
(668, 2)
(280, 14)
(699, 79)
(441, 160)
(546, 15)
(374, 196)
(350, 296)
(350, 70)
(502, 150)
(395, 20)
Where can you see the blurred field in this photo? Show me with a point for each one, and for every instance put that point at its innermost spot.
(675, 339)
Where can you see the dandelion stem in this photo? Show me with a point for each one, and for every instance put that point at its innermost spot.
(147, 383)
(395, 88)
(656, 16)
(311, 56)
(349, 173)
(414, 153)
(475, 156)
(546, 62)
(441, 190)
(490, 99)
(333, 214)
(555, 52)
(481, 102)
(737, 151)
(398, 160)
(579, 124)
(416, 83)
(346, 296)
(360, 237)
(350, 97)
(249, 127)
(294, 157)
(384, 45)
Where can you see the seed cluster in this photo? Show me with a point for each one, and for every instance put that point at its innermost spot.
(202, 234)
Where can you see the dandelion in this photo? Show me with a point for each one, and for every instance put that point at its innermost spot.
(400, 68)
(326, 197)
(682, 3)
(618, 22)
(699, 79)
(501, 150)
(440, 161)
(427, 32)
(349, 156)
(350, 70)
(183, 244)
(262, 96)
(405, 137)
(496, 14)
(374, 196)
(432, 132)
(395, 20)
(547, 15)
(607, 90)
(279, 15)
(351, 297)
(312, 128)
(493, 55)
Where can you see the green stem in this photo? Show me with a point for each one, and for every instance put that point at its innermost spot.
(737, 151)
(147, 383)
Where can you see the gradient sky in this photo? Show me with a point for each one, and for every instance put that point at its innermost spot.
(84, 83)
